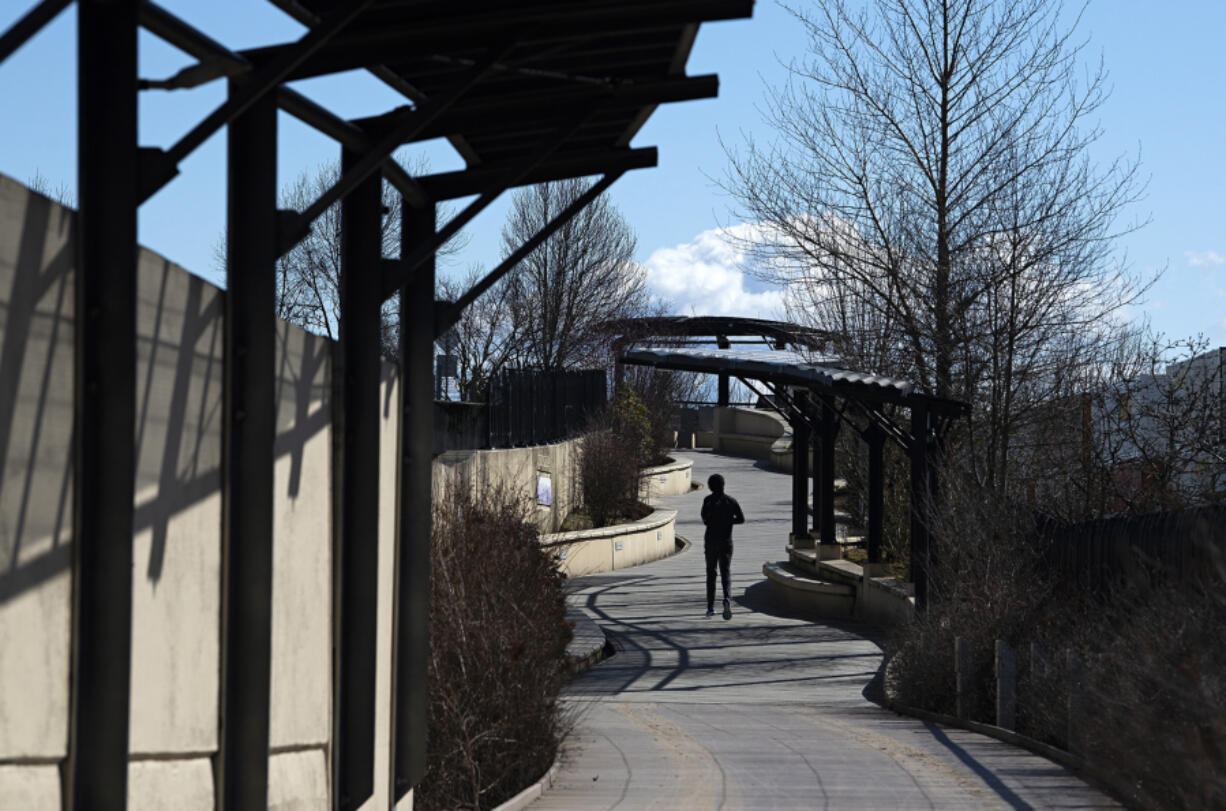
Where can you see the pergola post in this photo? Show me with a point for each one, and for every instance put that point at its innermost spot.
(355, 379)
(814, 417)
(830, 429)
(801, 538)
(724, 396)
(921, 498)
(249, 429)
(414, 517)
(104, 407)
(875, 437)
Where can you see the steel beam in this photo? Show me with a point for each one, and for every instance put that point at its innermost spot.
(356, 421)
(259, 83)
(167, 26)
(414, 514)
(249, 434)
(20, 32)
(451, 312)
(394, 280)
(370, 159)
(104, 405)
(491, 26)
(348, 135)
(450, 185)
(542, 108)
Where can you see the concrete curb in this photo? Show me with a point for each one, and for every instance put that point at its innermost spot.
(532, 792)
(1065, 758)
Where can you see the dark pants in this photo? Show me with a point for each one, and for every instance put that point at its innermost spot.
(724, 559)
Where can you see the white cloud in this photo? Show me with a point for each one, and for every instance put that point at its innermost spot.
(1204, 259)
(706, 276)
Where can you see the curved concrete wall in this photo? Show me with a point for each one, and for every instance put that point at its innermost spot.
(672, 479)
(618, 547)
(747, 432)
(520, 470)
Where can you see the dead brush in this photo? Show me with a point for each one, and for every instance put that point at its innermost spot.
(498, 637)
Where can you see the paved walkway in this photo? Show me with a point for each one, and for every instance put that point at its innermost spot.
(763, 711)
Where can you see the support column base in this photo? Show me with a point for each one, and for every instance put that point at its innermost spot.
(876, 569)
(804, 541)
(829, 551)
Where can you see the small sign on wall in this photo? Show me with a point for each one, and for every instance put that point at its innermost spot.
(544, 490)
(617, 546)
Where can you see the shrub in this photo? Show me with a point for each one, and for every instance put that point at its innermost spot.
(1153, 694)
(984, 584)
(498, 635)
(609, 470)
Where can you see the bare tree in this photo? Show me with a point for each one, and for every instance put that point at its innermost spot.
(932, 194)
(484, 339)
(1159, 426)
(579, 278)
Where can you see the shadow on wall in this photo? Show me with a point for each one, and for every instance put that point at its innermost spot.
(179, 393)
(36, 363)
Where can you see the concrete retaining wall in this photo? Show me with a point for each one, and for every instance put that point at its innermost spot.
(520, 469)
(176, 543)
(838, 589)
(747, 432)
(610, 548)
(672, 479)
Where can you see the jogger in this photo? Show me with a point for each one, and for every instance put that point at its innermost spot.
(719, 512)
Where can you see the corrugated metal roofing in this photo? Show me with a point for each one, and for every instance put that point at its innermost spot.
(781, 366)
(586, 73)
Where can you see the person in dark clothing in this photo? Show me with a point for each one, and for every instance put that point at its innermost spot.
(719, 512)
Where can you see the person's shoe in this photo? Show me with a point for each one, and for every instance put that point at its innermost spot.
(727, 609)
(710, 611)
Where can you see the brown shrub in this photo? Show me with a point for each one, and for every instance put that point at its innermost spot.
(498, 635)
(609, 471)
(1153, 666)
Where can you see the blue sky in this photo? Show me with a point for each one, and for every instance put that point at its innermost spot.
(1165, 68)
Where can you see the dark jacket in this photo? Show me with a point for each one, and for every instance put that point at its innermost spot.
(719, 512)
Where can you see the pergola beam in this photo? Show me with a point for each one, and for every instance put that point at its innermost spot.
(20, 32)
(173, 30)
(498, 23)
(540, 108)
(262, 81)
(450, 312)
(396, 273)
(361, 166)
(450, 185)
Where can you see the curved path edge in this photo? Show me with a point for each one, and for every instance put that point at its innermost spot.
(1065, 758)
